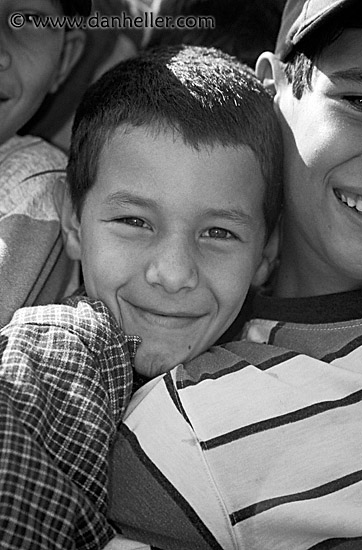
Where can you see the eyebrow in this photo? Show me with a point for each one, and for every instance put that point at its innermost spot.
(233, 214)
(352, 75)
(124, 198)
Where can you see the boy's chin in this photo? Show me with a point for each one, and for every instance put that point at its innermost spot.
(151, 363)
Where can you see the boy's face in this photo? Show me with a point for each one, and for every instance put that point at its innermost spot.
(170, 239)
(33, 61)
(323, 171)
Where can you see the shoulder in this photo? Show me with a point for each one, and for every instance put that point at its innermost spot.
(80, 318)
(34, 149)
(30, 169)
(78, 345)
(245, 424)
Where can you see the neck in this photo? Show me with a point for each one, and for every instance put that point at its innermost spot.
(304, 273)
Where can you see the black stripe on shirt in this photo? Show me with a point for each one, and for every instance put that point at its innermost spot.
(174, 396)
(270, 363)
(170, 489)
(277, 421)
(239, 365)
(185, 383)
(345, 350)
(354, 543)
(273, 332)
(317, 492)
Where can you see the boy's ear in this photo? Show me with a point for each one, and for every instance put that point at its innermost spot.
(70, 225)
(269, 69)
(74, 43)
(269, 258)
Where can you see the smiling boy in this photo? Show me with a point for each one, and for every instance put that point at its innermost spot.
(315, 75)
(259, 446)
(182, 247)
(172, 246)
(34, 61)
(321, 117)
(174, 189)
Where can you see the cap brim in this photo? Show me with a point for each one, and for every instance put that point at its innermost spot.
(296, 27)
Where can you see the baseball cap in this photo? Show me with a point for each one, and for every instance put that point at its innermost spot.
(301, 18)
(73, 7)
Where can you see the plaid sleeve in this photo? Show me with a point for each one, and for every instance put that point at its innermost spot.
(65, 381)
(39, 506)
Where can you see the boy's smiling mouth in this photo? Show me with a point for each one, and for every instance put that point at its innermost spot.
(349, 199)
(163, 319)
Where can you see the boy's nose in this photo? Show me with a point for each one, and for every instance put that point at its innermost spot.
(173, 267)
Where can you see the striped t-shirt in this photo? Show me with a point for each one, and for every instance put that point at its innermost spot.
(255, 446)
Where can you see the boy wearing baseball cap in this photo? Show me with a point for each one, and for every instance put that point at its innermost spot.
(315, 75)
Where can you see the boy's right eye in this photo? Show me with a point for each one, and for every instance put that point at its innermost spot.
(31, 17)
(132, 221)
(28, 20)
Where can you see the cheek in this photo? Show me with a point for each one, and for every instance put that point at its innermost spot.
(36, 91)
(320, 148)
(98, 263)
(40, 69)
(109, 265)
(315, 136)
(231, 284)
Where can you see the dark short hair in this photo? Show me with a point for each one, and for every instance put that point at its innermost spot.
(76, 7)
(300, 63)
(202, 94)
(242, 28)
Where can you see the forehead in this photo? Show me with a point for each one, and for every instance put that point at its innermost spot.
(343, 58)
(162, 151)
(162, 167)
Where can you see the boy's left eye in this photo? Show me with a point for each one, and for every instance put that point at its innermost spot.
(218, 233)
(354, 100)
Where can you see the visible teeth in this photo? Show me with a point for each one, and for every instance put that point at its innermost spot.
(353, 201)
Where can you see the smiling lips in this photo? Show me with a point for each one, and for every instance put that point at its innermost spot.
(352, 200)
(179, 320)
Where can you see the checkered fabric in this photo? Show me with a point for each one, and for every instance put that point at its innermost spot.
(65, 382)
